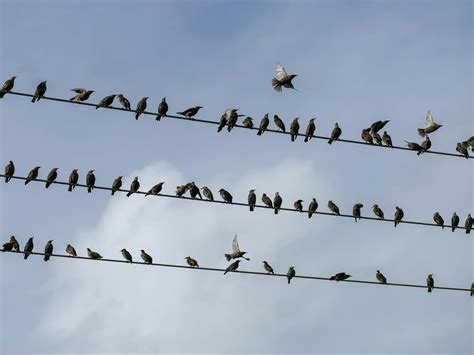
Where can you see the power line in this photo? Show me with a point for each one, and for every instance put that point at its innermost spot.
(242, 271)
(239, 203)
(237, 125)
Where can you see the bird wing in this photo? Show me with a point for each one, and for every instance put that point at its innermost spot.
(429, 119)
(79, 90)
(280, 72)
(235, 245)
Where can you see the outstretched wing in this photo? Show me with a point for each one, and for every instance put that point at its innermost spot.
(429, 119)
(235, 245)
(280, 72)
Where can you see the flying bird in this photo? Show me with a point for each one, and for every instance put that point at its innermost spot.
(356, 211)
(28, 248)
(267, 201)
(333, 207)
(134, 186)
(48, 250)
(232, 267)
(126, 255)
(147, 259)
(313, 206)
(282, 79)
(380, 277)
(377, 126)
(340, 276)
(252, 199)
(90, 181)
(93, 254)
(236, 252)
(454, 222)
(430, 282)
(9, 171)
(438, 220)
(310, 129)
(73, 179)
(386, 139)
(378, 211)
(7, 86)
(431, 126)
(226, 196)
(124, 102)
(70, 250)
(141, 107)
(40, 91)
(32, 175)
(294, 129)
(116, 185)
(207, 193)
(335, 134)
(53, 174)
(279, 123)
(106, 101)
(190, 112)
(290, 274)
(263, 124)
(191, 262)
(398, 215)
(298, 205)
(247, 122)
(468, 224)
(162, 109)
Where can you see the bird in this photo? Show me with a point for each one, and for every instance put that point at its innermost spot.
(333, 207)
(236, 252)
(192, 262)
(470, 142)
(378, 211)
(28, 248)
(425, 145)
(32, 175)
(282, 79)
(263, 124)
(190, 112)
(430, 282)
(356, 210)
(310, 129)
(468, 224)
(7, 246)
(7, 86)
(267, 201)
(382, 279)
(279, 123)
(93, 254)
(413, 146)
(294, 129)
(376, 137)
(181, 190)
(252, 199)
(232, 267)
(222, 123)
(290, 274)
(40, 91)
(472, 289)
(124, 102)
(431, 126)
(106, 101)
(82, 95)
(247, 122)
(141, 107)
(268, 268)
(454, 222)
(147, 259)
(386, 139)
(134, 186)
(48, 250)
(462, 149)
(335, 134)
(438, 220)
(53, 174)
(116, 185)
(207, 193)
(126, 255)
(90, 181)
(73, 179)
(340, 276)
(366, 137)
(277, 201)
(194, 191)
(298, 205)
(377, 126)
(155, 190)
(398, 215)
(226, 196)
(15, 244)
(70, 250)
(162, 109)
(9, 171)
(313, 206)
(231, 118)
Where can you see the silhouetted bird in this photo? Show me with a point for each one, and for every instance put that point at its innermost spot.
(207, 193)
(366, 137)
(425, 145)
(190, 112)
(226, 196)
(134, 186)
(438, 220)
(124, 102)
(147, 259)
(431, 126)
(279, 123)
(377, 126)
(116, 185)
(232, 267)
(126, 255)
(194, 191)
(162, 109)
(454, 222)
(335, 134)
(40, 91)
(386, 139)
(236, 252)
(141, 107)
(73, 179)
(70, 250)
(7, 246)
(340, 276)
(7, 86)
(48, 250)
(222, 123)
(298, 205)
(290, 274)
(376, 137)
(462, 149)
(247, 122)
(277, 201)
(106, 101)
(32, 175)
(53, 174)
(398, 215)
(90, 181)
(180, 190)
(356, 211)
(155, 190)
(313, 206)
(191, 262)
(468, 224)
(9, 171)
(15, 244)
(310, 129)
(263, 124)
(472, 289)
(333, 207)
(252, 199)
(93, 254)
(28, 248)
(380, 277)
(378, 211)
(267, 201)
(82, 95)
(413, 146)
(268, 268)
(430, 282)
(294, 129)
(282, 79)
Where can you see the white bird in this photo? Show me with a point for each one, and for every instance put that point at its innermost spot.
(283, 79)
(431, 125)
(236, 253)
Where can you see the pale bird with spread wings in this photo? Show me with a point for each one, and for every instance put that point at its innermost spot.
(236, 253)
(282, 79)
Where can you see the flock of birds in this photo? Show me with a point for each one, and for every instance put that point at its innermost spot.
(195, 192)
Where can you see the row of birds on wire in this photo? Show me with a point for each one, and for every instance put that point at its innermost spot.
(230, 118)
(195, 192)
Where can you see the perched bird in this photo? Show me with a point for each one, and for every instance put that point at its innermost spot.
(377, 126)
(472, 289)
(382, 279)
(279, 123)
(190, 112)
(226, 196)
(162, 109)
(7, 246)
(207, 193)
(73, 179)
(468, 224)
(236, 252)
(386, 139)
(438, 220)
(126, 255)
(116, 185)
(191, 262)
(333, 207)
(15, 244)
(277, 201)
(106, 101)
(470, 142)
(454, 222)
(356, 210)
(313, 206)
(124, 102)
(378, 211)
(222, 123)
(155, 190)
(134, 186)
(9, 171)
(232, 267)
(462, 149)
(340, 276)
(366, 137)
(290, 274)
(283, 79)
(431, 126)
(82, 95)
(247, 122)
(294, 129)
(310, 129)
(28, 248)
(425, 145)
(267, 201)
(53, 174)
(298, 205)
(181, 190)
(398, 215)
(141, 107)
(252, 199)
(93, 255)
(231, 118)
(413, 146)
(147, 259)
(376, 137)
(40, 91)
(7, 86)
(263, 124)
(70, 250)
(335, 134)
(48, 250)
(32, 175)
(194, 191)
(90, 181)
(268, 268)
(430, 282)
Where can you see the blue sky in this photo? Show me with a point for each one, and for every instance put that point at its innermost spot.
(358, 62)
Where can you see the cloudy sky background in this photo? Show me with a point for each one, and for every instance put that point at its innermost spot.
(358, 62)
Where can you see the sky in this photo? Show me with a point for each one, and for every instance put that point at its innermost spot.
(357, 61)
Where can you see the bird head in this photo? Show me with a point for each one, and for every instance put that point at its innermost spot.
(37, 167)
(50, 241)
(11, 162)
(299, 201)
(199, 107)
(264, 262)
(430, 275)
(91, 171)
(123, 250)
(188, 257)
(163, 99)
(136, 178)
(141, 250)
(378, 271)
(88, 249)
(55, 169)
(13, 78)
(375, 206)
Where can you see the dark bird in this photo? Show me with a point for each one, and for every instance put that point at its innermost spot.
(226, 196)
(70, 250)
(277, 201)
(376, 137)
(28, 248)
(298, 205)
(333, 207)
(454, 222)
(398, 215)
(462, 149)
(247, 122)
(431, 126)
(106, 101)
(340, 276)
(236, 252)
(7, 86)
(425, 145)
(90, 181)
(194, 191)
(191, 262)
(366, 137)
(382, 279)
(290, 274)
(386, 139)
(294, 129)
(472, 289)
(134, 186)
(356, 210)
(232, 267)
(263, 124)
(310, 129)
(53, 174)
(468, 224)
(93, 254)
(141, 107)
(73, 179)
(377, 126)
(470, 142)
(15, 244)
(268, 268)
(207, 193)
(252, 199)
(190, 112)
(126, 255)
(279, 123)
(124, 102)
(222, 123)
(181, 190)
(48, 250)
(9, 171)
(335, 134)
(116, 185)
(283, 79)
(32, 175)
(40, 91)
(430, 282)
(231, 118)
(313, 206)
(267, 201)
(162, 109)
(438, 220)
(378, 211)
(413, 146)
(147, 259)
(81, 95)
(155, 190)
(7, 246)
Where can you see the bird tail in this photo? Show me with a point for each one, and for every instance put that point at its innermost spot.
(468, 231)
(395, 224)
(452, 229)
(309, 215)
(305, 139)
(72, 98)
(2, 93)
(276, 84)
(248, 259)
(47, 184)
(113, 192)
(229, 128)
(225, 272)
(442, 227)
(158, 117)
(330, 141)
(46, 257)
(292, 138)
(97, 107)
(129, 193)
(259, 133)
(69, 188)
(251, 208)
(421, 132)
(289, 281)
(136, 115)
(227, 256)
(26, 182)
(429, 289)
(276, 210)
(33, 99)
(6, 179)
(25, 256)
(89, 189)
